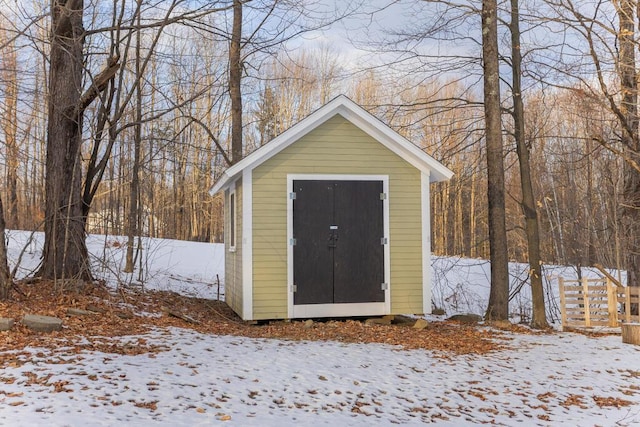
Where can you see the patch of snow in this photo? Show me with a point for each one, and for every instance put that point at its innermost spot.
(205, 379)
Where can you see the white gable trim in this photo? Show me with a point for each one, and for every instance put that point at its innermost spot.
(360, 118)
(396, 143)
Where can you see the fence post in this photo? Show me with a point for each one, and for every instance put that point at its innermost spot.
(627, 304)
(612, 304)
(585, 298)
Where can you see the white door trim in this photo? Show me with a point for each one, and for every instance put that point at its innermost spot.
(331, 310)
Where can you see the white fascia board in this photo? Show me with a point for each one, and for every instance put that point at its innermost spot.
(397, 143)
(286, 138)
(360, 118)
(221, 184)
(280, 142)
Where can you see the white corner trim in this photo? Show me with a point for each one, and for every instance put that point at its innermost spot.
(247, 245)
(233, 243)
(426, 242)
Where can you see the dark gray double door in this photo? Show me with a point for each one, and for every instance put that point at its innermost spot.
(338, 256)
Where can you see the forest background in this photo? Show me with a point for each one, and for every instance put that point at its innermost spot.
(159, 83)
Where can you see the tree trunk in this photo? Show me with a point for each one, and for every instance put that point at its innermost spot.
(235, 77)
(65, 253)
(5, 277)
(9, 119)
(629, 108)
(539, 319)
(134, 194)
(498, 308)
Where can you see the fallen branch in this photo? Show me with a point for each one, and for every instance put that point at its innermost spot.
(179, 315)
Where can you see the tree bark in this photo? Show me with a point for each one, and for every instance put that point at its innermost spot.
(629, 108)
(134, 193)
(539, 318)
(65, 253)
(235, 77)
(498, 308)
(5, 277)
(9, 119)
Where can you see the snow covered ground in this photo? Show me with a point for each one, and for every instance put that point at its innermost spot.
(190, 378)
(208, 380)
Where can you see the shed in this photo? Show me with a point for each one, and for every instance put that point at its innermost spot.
(330, 219)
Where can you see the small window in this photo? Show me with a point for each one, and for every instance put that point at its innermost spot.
(232, 221)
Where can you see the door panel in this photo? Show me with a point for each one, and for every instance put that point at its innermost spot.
(312, 257)
(359, 254)
(338, 256)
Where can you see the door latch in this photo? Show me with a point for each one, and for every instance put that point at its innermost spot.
(333, 236)
(333, 239)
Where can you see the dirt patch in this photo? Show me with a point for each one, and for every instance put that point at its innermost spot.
(133, 311)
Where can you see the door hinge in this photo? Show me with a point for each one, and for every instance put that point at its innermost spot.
(292, 195)
(292, 242)
(383, 241)
(294, 288)
(383, 196)
(384, 286)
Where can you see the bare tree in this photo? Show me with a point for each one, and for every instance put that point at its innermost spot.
(134, 207)
(5, 277)
(498, 308)
(65, 252)
(9, 122)
(235, 79)
(528, 203)
(605, 37)
(630, 136)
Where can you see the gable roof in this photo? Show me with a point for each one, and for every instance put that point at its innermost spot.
(359, 117)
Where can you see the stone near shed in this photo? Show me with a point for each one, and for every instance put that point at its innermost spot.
(466, 318)
(308, 323)
(79, 312)
(124, 315)
(95, 309)
(42, 323)
(420, 324)
(6, 323)
(377, 321)
(399, 319)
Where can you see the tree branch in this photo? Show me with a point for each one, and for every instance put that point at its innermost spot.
(98, 85)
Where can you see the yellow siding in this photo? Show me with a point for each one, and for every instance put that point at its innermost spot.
(233, 260)
(335, 147)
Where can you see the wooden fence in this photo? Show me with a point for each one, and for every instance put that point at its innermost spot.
(597, 302)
